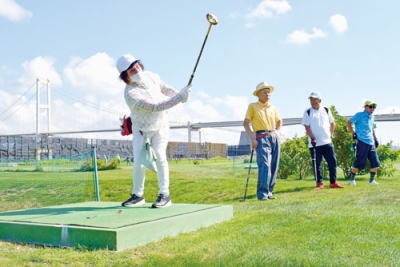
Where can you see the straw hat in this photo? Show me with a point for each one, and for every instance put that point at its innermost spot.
(261, 86)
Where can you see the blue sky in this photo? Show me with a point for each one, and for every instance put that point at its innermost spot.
(346, 49)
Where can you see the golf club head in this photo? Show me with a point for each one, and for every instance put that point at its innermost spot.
(212, 19)
(242, 200)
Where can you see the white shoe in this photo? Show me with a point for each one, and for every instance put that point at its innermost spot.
(373, 182)
(352, 182)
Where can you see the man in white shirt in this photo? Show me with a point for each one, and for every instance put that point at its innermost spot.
(320, 126)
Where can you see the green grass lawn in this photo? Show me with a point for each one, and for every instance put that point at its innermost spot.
(354, 226)
(25, 190)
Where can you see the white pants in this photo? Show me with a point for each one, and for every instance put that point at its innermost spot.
(159, 142)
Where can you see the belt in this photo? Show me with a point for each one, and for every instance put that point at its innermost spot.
(264, 133)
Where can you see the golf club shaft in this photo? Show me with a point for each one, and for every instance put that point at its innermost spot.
(355, 149)
(248, 175)
(198, 58)
(315, 165)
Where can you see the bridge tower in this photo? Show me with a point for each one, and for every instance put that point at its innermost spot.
(42, 102)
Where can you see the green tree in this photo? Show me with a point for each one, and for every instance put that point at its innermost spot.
(295, 158)
(343, 143)
(286, 165)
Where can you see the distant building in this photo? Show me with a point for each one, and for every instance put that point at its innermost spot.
(244, 139)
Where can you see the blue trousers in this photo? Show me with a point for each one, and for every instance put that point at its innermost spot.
(268, 153)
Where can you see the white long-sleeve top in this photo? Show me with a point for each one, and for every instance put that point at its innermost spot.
(149, 100)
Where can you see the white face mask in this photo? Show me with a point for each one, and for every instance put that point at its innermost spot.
(137, 78)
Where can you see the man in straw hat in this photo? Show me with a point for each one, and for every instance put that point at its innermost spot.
(265, 121)
(366, 141)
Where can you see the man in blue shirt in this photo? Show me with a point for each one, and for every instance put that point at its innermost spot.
(367, 142)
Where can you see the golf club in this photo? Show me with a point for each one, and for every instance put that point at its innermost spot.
(315, 166)
(248, 176)
(212, 19)
(355, 148)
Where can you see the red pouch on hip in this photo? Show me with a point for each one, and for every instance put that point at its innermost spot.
(126, 127)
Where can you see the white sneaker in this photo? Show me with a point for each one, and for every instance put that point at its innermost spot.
(373, 182)
(352, 182)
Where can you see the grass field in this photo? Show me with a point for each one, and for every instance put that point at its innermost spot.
(354, 226)
(25, 190)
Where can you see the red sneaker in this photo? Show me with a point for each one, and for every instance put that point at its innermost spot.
(336, 185)
(320, 185)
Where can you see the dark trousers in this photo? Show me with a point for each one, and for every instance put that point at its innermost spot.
(364, 152)
(328, 152)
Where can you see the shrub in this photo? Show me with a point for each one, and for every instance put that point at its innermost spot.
(101, 166)
(39, 168)
(87, 166)
(112, 164)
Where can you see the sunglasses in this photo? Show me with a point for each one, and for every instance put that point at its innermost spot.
(372, 107)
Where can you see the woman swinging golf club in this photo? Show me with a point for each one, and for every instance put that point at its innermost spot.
(148, 98)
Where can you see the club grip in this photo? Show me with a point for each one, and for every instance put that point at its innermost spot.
(190, 80)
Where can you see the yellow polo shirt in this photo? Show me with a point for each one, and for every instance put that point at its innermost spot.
(262, 116)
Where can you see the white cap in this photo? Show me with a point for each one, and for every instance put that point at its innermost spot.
(124, 62)
(315, 94)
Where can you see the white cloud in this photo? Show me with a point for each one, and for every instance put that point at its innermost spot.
(94, 75)
(97, 74)
(203, 108)
(203, 94)
(41, 68)
(269, 8)
(13, 11)
(17, 113)
(199, 112)
(235, 107)
(303, 37)
(389, 110)
(206, 109)
(338, 23)
(266, 9)
(79, 116)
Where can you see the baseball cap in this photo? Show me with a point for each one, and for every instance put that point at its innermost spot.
(124, 62)
(369, 102)
(315, 94)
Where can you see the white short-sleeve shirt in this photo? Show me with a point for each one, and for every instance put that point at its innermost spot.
(319, 121)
